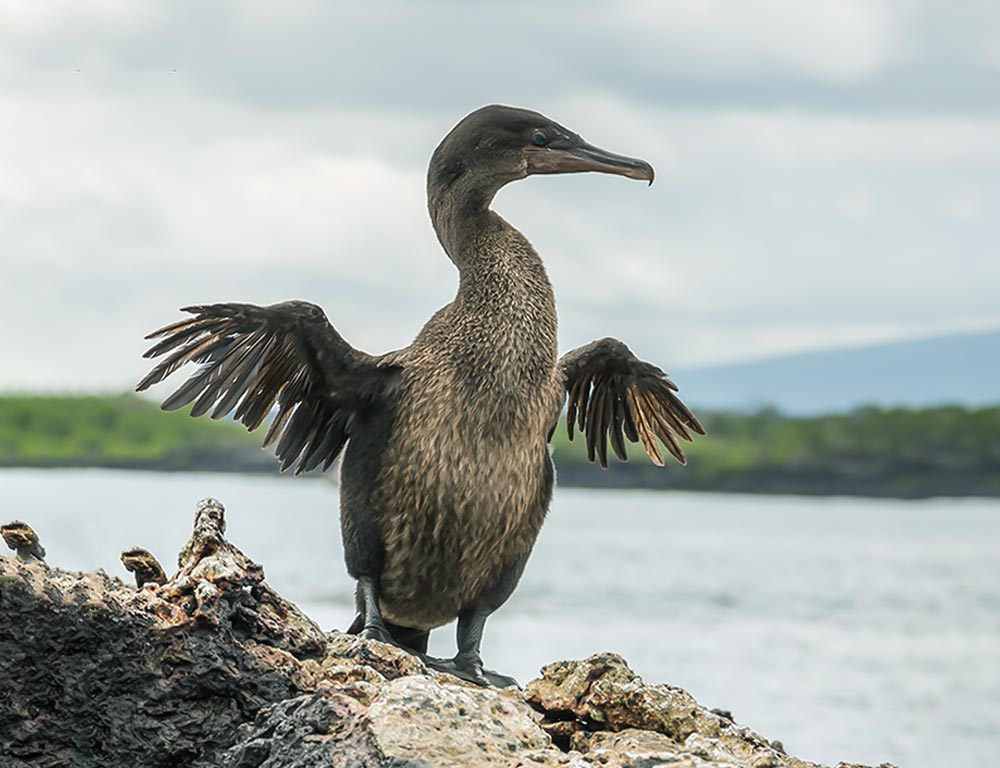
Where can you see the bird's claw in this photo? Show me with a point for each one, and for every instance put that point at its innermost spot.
(471, 671)
(500, 681)
(381, 634)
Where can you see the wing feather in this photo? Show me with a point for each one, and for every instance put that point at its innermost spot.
(645, 431)
(602, 408)
(253, 359)
(614, 396)
(617, 439)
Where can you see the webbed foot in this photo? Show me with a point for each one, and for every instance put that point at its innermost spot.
(378, 632)
(500, 681)
(470, 669)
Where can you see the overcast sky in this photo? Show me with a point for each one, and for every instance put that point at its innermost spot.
(827, 173)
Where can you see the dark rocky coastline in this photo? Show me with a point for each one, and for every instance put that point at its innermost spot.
(213, 668)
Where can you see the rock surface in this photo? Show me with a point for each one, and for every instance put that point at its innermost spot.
(213, 668)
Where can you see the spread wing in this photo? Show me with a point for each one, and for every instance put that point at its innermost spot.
(252, 358)
(613, 394)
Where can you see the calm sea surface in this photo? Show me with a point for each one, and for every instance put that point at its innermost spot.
(851, 629)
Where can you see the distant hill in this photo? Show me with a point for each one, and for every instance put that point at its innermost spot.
(958, 369)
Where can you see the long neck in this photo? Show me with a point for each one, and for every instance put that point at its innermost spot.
(486, 248)
(460, 213)
(504, 290)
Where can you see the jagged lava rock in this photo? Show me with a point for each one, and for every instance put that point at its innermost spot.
(213, 668)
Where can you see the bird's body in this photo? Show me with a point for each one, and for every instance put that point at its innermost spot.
(446, 477)
(465, 475)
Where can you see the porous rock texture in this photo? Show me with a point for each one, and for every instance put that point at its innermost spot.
(213, 668)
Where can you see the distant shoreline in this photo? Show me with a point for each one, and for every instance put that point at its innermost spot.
(591, 476)
(898, 453)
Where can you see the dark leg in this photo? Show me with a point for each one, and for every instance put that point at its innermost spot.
(377, 628)
(359, 529)
(374, 627)
(470, 635)
(468, 663)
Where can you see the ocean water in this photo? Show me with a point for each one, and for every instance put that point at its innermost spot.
(850, 629)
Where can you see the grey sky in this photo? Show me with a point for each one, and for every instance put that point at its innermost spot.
(827, 173)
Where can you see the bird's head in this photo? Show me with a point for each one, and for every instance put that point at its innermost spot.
(496, 145)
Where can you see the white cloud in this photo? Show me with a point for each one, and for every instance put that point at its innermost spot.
(127, 190)
(965, 205)
(25, 17)
(837, 41)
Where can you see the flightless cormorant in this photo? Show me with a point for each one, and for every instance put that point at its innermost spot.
(446, 476)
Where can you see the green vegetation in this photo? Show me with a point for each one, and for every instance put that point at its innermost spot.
(894, 452)
(124, 431)
(906, 453)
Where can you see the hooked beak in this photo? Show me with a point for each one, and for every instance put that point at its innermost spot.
(583, 157)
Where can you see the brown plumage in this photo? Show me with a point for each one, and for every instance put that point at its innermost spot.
(614, 395)
(446, 475)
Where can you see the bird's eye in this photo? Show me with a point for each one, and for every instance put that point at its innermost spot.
(539, 139)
